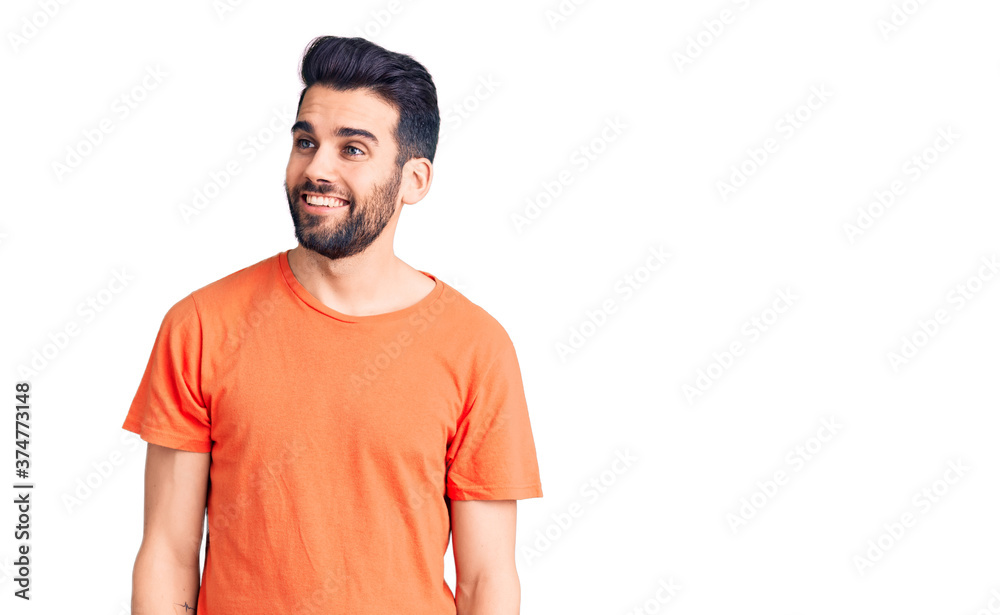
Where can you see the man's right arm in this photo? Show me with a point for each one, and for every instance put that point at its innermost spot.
(167, 574)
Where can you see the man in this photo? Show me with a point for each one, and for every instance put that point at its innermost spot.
(338, 411)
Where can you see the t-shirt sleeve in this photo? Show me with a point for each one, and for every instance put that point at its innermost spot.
(492, 456)
(168, 408)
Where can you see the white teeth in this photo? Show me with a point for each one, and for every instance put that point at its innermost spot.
(324, 201)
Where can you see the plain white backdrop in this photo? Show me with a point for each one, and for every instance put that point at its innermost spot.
(794, 380)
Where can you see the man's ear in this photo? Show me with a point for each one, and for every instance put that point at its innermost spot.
(416, 180)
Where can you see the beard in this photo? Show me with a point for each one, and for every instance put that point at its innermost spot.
(362, 223)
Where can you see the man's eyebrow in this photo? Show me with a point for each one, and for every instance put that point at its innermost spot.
(343, 131)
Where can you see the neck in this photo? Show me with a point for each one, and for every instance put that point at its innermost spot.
(366, 283)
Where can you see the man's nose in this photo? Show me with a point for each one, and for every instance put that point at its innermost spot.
(324, 168)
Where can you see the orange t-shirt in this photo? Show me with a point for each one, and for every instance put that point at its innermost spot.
(337, 441)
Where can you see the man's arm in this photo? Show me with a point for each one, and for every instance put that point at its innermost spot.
(482, 535)
(167, 576)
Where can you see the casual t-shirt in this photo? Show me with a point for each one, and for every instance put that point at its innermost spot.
(337, 441)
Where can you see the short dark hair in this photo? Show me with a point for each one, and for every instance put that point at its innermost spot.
(356, 63)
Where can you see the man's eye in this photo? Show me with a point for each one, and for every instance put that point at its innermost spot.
(299, 141)
(358, 150)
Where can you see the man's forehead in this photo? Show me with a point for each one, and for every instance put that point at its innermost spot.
(330, 111)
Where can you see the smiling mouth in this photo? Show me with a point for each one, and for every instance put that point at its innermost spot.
(323, 201)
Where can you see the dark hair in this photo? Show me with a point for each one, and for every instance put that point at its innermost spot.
(356, 63)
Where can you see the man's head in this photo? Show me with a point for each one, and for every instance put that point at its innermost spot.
(366, 132)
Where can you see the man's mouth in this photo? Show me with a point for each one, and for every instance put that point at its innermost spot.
(323, 201)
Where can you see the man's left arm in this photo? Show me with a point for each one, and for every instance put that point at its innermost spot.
(482, 535)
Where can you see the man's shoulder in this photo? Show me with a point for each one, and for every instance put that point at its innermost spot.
(473, 321)
(235, 289)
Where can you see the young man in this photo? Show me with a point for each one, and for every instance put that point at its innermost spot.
(338, 411)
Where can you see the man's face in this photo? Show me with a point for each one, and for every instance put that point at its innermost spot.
(343, 149)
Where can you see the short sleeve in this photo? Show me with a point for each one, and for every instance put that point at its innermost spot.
(492, 456)
(168, 408)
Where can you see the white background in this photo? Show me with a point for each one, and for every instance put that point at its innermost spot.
(668, 517)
